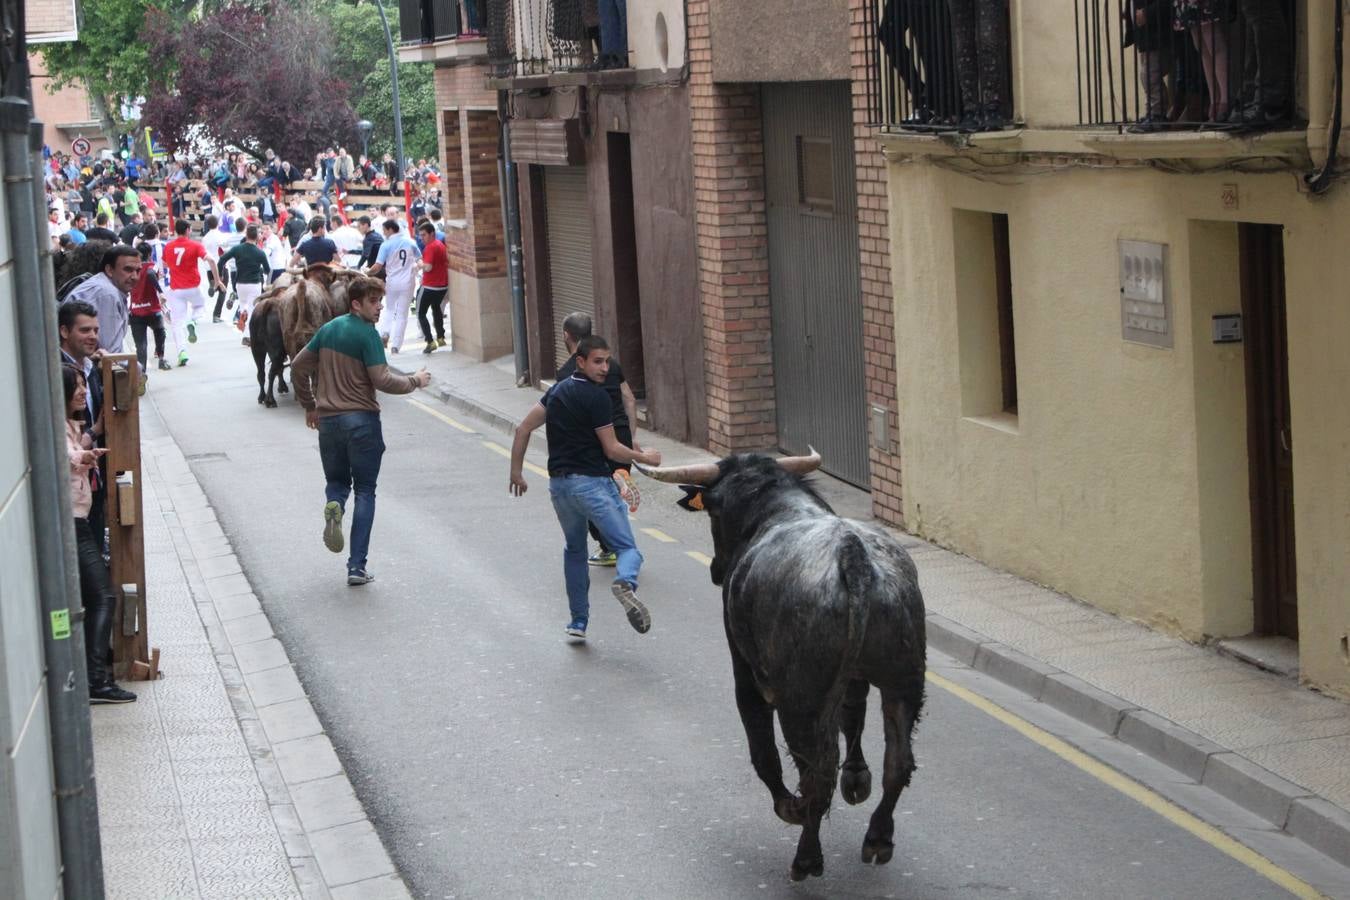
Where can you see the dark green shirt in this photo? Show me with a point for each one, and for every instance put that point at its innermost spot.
(250, 263)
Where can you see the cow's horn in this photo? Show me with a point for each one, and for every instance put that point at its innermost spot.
(700, 473)
(801, 465)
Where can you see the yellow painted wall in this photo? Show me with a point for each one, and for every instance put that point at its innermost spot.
(1122, 478)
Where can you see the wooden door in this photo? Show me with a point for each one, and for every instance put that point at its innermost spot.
(1269, 436)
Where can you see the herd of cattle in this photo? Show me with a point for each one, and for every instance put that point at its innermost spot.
(817, 608)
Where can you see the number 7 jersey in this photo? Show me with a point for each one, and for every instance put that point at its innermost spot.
(180, 256)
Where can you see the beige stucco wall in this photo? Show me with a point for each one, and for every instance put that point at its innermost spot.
(1123, 478)
(780, 40)
(656, 34)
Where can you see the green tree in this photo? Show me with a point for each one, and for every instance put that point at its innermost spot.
(364, 65)
(109, 60)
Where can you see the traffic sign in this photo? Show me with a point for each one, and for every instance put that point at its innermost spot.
(80, 146)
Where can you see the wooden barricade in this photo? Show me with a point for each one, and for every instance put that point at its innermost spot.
(359, 200)
(133, 660)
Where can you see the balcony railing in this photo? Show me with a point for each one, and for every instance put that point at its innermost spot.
(428, 21)
(1178, 65)
(540, 37)
(939, 65)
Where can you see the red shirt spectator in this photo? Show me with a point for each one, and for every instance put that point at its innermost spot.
(145, 300)
(181, 255)
(437, 259)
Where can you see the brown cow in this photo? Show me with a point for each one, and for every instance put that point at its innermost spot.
(287, 317)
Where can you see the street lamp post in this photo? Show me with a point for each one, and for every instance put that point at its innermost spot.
(393, 77)
(364, 128)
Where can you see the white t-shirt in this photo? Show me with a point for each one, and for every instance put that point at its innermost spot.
(348, 239)
(278, 252)
(399, 256)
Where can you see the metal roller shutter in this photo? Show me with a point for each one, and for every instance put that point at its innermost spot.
(569, 247)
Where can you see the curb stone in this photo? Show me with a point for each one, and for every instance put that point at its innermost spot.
(1289, 808)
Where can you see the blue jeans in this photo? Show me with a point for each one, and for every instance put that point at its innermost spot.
(614, 29)
(578, 499)
(351, 446)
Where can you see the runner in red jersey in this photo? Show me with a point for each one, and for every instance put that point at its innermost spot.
(186, 298)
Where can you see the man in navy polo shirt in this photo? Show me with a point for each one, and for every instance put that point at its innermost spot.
(580, 429)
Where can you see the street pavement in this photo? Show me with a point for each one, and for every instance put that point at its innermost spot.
(496, 759)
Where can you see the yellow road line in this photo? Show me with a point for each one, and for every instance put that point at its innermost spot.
(659, 535)
(442, 416)
(699, 557)
(1135, 791)
(502, 451)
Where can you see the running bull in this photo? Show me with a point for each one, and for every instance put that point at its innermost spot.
(816, 609)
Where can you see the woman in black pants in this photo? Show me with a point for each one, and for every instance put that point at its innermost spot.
(100, 603)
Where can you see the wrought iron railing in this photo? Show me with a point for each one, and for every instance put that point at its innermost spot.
(1163, 65)
(539, 37)
(939, 65)
(428, 21)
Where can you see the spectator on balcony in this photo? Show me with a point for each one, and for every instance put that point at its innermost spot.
(917, 36)
(1265, 64)
(472, 18)
(1207, 23)
(1148, 28)
(613, 34)
(980, 36)
(1189, 99)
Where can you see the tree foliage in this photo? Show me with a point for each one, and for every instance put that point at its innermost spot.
(364, 64)
(252, 76)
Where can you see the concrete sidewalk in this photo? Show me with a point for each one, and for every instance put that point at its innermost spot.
(219, 781)
(1257, 738)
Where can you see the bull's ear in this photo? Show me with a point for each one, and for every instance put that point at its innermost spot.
(693, 497)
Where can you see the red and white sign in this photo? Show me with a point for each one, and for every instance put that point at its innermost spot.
(80, 147)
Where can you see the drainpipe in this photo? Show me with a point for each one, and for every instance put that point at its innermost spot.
(506, 173)
(1323, 138)
(53, 525)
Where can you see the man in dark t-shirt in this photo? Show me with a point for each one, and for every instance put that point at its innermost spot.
(580, 428)
(623, 406)
(319, 248)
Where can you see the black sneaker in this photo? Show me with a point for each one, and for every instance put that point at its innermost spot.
(638, 617)
(164, 364)
(109, 693)
(359, 577)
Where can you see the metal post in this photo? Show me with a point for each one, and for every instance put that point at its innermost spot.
(506, 169)
(53, 522)
(393, 76)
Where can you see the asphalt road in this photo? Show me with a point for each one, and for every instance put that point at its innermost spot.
(497, 759)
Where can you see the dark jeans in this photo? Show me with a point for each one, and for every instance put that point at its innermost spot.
(139, 325)
(614, 31)
(980, 35)
(1265, 51)
(351, 446)
(431, 298)
(100, 603)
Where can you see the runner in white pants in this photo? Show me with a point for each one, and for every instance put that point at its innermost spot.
(251, 271)
(185, 294)
(397, 259)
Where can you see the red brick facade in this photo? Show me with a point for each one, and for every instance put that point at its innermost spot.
(878, 298)
(733, 250)
(468, 152)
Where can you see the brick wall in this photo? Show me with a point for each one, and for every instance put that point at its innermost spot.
(42, 17)
(733, 250)
(878, 298)
(468, 154)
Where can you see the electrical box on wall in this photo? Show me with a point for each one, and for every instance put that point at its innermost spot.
(1226, 328)
(1145, 305)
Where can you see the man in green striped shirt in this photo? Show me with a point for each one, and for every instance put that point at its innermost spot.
(336, 377)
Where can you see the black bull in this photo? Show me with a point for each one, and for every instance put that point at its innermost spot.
(817, 609)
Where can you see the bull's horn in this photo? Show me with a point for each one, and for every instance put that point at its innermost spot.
(699, 473)
(801, 465)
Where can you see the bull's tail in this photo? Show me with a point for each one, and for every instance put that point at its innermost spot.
(859, 577)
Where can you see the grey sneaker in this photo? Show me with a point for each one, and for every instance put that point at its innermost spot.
(359, 577)
(332, 526)
(638, 617)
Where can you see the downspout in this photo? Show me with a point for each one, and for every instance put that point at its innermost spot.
(506, 172)
(1318, 136)
(67, 683)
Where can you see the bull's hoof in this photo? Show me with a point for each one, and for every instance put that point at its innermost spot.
(790, 810)
(804, 867)
(281, 388)
(262, 401)
(877, 851)
(271, 404)
(855, 785)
